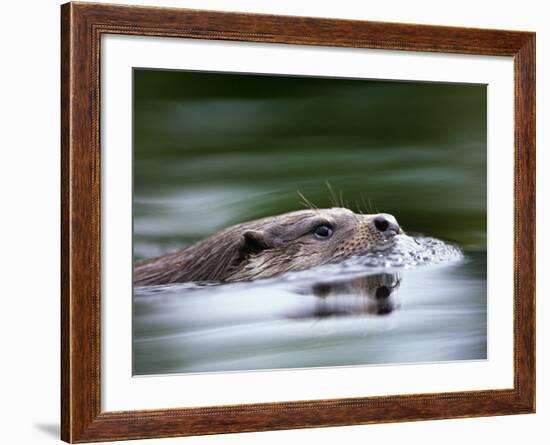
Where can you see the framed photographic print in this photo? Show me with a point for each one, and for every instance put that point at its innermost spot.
(274, 222)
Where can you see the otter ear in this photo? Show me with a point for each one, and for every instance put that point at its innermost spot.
(256, 241)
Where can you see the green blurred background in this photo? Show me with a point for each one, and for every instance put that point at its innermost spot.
(215, 149)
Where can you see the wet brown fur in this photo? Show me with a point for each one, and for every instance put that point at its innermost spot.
(264, 248)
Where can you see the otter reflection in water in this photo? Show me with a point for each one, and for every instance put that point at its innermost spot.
(364, 295)
(270, 246)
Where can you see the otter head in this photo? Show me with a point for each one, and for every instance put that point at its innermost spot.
(303, 239)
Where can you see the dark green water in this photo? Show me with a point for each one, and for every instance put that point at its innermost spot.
(212, 150)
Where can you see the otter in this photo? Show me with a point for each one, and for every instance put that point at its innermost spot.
(270, 246)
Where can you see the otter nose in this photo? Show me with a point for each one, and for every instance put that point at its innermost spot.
(387, 224)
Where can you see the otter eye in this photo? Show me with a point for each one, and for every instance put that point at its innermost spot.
(323, 231)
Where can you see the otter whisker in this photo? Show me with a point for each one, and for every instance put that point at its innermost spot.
(367, 204)
(364, 203)
(333, 198)
(371, 207)
(306, 202)
(374, 209)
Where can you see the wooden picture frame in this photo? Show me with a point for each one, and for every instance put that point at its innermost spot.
(82, 26)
